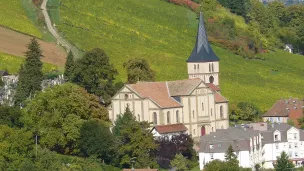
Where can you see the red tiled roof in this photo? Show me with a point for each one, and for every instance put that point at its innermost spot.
(219, 98)
(157, 92)
(282, 108)
(164, 129)
(141, 170)
(294, 115)
(213, 87)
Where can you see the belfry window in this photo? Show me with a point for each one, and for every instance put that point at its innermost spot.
(194, 66)
(209, 68)
(212, 68)
(197, 66)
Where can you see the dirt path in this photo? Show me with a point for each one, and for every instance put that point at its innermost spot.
(15, 43)
(63, 42)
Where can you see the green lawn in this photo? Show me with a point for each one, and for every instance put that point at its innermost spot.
(12, 64)
(14, 16)
(164, 34)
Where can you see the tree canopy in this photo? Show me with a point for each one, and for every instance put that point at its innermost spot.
(283, 163)
(57, 115)
(69, 66)
(95, 73)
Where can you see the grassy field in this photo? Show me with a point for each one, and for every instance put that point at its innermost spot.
(14, 16)
(164, 34)
(12, 64)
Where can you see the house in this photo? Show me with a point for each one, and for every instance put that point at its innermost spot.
(245, 142)
(169, 130)
(196, 102)
(289, 48)
(282, 137)
(283, 110)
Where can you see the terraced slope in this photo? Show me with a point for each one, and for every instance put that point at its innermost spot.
(164, 34)
(14, 16)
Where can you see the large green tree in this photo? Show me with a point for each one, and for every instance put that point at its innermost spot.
(96, 140)
(135, 140)
(57, 115)
(30, 74)
(95, 73)
(283, 163)
(69, 66)
(179, 162)
(231, 159)
(10, 116)
(139, 70)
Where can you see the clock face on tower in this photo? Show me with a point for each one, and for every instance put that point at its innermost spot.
(211, 79)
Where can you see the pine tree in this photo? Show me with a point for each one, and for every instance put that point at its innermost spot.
(230, 157)
(30, 74)
(69, 66)
(283, 163)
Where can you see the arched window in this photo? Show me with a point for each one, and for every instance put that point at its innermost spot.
(221, 112)
(211, 79)
(138, 117)
(209, 68)
(126, 96)
(193, 131)
(211, 112)
(193, 116)
(194, 66)
(177, 116)
(203, 107)
(212, 129)
(168, 117)
(222, 127)
(212, 68)
(154, 118)
(197, 66)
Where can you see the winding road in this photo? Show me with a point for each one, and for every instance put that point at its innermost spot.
(60, 40)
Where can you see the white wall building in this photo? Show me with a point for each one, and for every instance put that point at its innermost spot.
(196, 102)
(279, 138)
(245, 142)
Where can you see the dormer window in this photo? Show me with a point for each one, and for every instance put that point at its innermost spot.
(211, 146)
(277, 136)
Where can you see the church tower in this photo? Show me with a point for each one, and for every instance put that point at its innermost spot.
(203, 63)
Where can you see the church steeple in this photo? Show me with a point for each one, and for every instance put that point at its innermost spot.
(202, 51)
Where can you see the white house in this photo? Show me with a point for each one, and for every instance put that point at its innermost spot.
(279, 138)
(245, 142)
(169, 130)
(196, 102)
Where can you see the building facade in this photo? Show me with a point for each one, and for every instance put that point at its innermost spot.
(196, 102)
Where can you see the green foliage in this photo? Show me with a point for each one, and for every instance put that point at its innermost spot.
(96, 140)
(30, 74)
(135, 140)
(15, 147)
(215, 165)
(57, 115)
(179, 162)
(69, 66)
(246, 111)
(139, 70)
(10, 116)
(12, 64)
(301, 121)
(95, 73)
(231, 158)
(283, 163)
(290, 122)
(239, 7)
(13, 15)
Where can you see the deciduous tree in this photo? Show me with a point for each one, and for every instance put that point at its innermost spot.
(30, 74)
(179, 162)
(69, 66)
(57, 115)
(95, 73)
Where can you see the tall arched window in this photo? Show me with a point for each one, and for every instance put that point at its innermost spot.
(211, 112)
(221, 112)
(212, 68)
(193, 131)
(212, 129)
(197, 66)
(154, 118)
(209, 68)
(193, 115)
(203, 107)
(168, 117)
(138, 117)
(177, 116)
(194, 66)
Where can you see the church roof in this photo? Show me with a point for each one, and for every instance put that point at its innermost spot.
(183, 87)
(213, 87)
(202, 51)
(157, 92)
(219, 98)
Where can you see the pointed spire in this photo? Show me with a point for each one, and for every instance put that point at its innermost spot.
(202, 51)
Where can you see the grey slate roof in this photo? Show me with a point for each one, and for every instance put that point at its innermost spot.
(202, 51)
(183, 87)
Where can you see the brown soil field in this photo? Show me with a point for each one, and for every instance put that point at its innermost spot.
(14, 43)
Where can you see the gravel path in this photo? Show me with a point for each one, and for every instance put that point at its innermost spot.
(60, 40)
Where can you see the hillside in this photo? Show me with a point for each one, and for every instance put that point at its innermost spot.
(164, 34)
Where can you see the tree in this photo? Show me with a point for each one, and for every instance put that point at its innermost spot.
(283, 163)
(69, 66)
(139, 70)
(96, 140)
(215, 165)
(57, 115)
(30, 74)
(10, 116)
(95, 73)
(135, 140)
(246, 111)
(230, 157)
(179, 162)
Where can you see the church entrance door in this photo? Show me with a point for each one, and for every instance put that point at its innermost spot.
(203, 131)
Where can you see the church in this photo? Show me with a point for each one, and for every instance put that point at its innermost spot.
(195, 102)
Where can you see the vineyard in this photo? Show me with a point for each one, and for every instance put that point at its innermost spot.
(13, 16)
(164, 34)
(12, 64)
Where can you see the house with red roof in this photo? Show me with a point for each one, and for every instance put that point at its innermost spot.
(196, 102)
